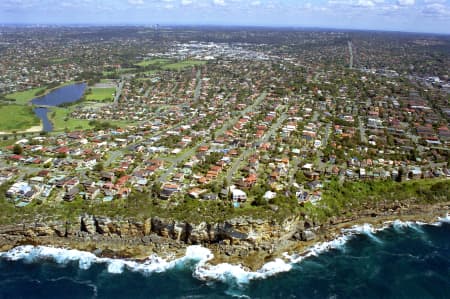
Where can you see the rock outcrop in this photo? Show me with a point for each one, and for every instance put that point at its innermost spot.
(244, 239)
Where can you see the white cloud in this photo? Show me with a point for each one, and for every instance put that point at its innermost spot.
(436, 10)
(136, 2)
(186, 2)
(365, 3)
(406, 2)
(255, 3)
(219, 2)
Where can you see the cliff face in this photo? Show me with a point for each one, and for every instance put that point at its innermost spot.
(233, 232)
(241, 240)
(236, 236)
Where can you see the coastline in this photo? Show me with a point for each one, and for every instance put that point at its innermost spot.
(328, 233)
(141, 249)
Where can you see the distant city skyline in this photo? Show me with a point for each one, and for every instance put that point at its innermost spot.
(431, 16)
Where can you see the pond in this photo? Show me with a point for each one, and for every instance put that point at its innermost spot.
(66, 94)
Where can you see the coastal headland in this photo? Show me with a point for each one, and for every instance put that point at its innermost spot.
(243, 240)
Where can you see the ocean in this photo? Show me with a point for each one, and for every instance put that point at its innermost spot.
(402, 260)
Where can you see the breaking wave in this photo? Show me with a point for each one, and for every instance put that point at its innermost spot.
(197, 257)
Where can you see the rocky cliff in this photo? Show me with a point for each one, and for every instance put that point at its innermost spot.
(238, 237)
(241, 240)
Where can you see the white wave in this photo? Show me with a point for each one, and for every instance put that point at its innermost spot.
(445, 219)
(198, 257)
(237, 273)
(399, 225)
(30, 253)
(366, 229)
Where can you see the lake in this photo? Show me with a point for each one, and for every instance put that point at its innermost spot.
(66, 94)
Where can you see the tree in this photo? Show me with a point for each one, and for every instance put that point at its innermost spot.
(98, 167)
(17, 149)
(401, 173)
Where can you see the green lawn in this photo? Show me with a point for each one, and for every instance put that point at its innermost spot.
(61, 120)
(17, 118)
(58, 117)
(121, 71)
(183, 64)
(148, 62)
(23, 97)
(99, 94)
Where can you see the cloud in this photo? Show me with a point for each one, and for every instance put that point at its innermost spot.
(358, 3)
(365, 3)
(406, 2)
(219, 2)
(186, 2)
(436, 10)
(136, 2)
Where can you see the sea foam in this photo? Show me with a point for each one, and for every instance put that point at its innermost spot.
(197, 257)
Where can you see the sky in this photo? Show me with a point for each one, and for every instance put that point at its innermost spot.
(392, 15)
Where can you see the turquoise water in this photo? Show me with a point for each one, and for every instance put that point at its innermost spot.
(402, 261)
(62, 95)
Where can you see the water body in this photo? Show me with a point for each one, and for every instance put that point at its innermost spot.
(65, 94)
(406, 260)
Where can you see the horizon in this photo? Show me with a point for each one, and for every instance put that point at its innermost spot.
(409, 16)
(219, 26)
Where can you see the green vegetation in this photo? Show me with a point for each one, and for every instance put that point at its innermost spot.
(23, 97)
(183, 64)
(16, 118)
(100, 94)
(61, 120)
(114, 73)
(339, 200)
(156, 61)
(344, 199)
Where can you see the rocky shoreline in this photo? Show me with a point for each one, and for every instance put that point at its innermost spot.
(246, 241)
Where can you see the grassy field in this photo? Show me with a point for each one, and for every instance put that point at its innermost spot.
(61, 120)
(121, 71)
(23, 97)
(148, 62)
(183, 64)
(99, 94)
(17, 117)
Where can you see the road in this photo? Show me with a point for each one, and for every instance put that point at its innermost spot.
(175, 161)
(188, 153)
(315, 117)
(112, 157)
(185, 155)
(198, 88)
(147, 92)
(232, 121)
(327, 135)
(118, 93)
(294, 168)
(246, 154)
(350, 49)
(362, 131)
